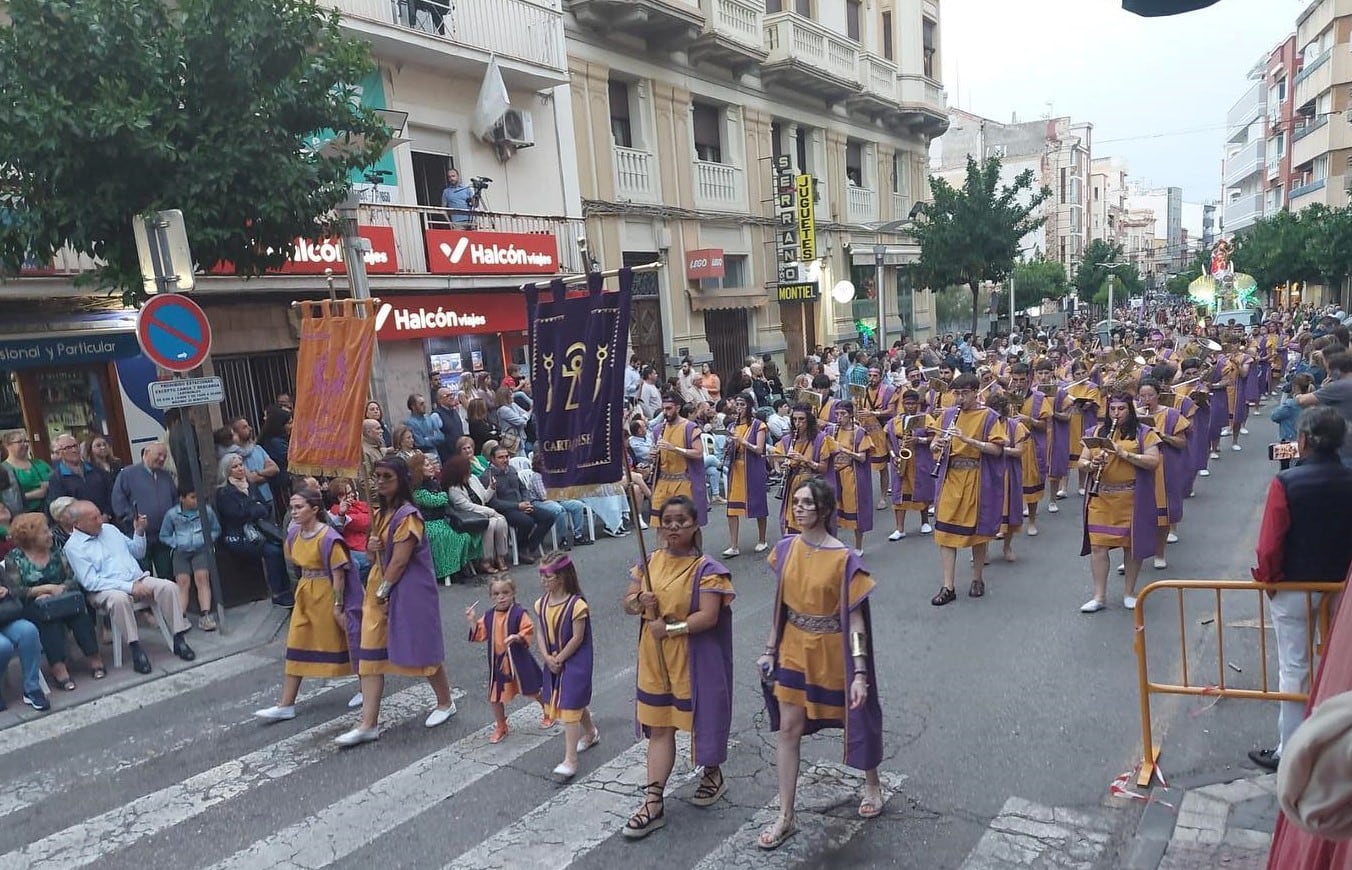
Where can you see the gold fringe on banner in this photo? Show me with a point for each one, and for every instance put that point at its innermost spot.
(333, 369)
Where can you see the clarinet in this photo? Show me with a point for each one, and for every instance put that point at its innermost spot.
(1096, 480)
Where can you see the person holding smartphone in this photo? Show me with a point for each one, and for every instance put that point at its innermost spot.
(1288, 410)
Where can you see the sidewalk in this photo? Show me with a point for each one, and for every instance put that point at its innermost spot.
(249, 625)
(1210, 825)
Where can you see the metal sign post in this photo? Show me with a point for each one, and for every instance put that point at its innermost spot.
(167, 265)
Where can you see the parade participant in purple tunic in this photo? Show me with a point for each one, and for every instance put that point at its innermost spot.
(1058, 447)
(506, 628)
(565, 643)
(817, 670)
(1221, 409)
(853, 483)
(911, 464)
(678, 459)
(684, 661)
(401, 617)
(748, 491)
(1172, 428)
(802, 453)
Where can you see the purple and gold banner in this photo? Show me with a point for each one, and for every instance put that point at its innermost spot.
(332, 375)
(578, 345)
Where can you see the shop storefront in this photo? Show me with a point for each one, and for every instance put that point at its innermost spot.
(78, 375)
(448, 334)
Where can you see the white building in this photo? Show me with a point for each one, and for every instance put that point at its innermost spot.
(1245, 156)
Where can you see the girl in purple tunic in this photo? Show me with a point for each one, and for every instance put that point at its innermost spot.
(506, 628)
(565, 643)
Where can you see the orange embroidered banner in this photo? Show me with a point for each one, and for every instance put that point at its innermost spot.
(333, 372)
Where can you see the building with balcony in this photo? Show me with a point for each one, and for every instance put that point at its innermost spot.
(1282, 65)
(432, 57)
(1058, 151)
(679, 108)
(1321, 137)
(1108, 200)
(1244, 164)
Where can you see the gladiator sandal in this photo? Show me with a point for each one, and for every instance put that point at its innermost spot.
(644, 822)
(712, 786)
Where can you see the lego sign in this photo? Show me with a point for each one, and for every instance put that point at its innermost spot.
(704, 264)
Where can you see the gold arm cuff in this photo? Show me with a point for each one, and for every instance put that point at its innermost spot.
(858, 645)
(675, 629)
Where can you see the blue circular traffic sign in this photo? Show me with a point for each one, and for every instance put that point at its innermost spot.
(174, 332)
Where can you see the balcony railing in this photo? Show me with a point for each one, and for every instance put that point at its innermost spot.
(635, 174)
(741, 21)
(524, 30)
(410, 222)
(901, 206)
(1249, 107)
(718, 185)
(861, 205)
(1311, 187)
(1306, 129)
(1245, 162)
(1242, 212)
(916, 89)
(790, 37)
(878, 76)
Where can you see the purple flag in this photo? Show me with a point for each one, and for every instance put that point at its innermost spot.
(578, 346)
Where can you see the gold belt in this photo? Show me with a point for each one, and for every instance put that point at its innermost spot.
(671, 475)
(963, 462)
(315, 574)
(1117, 487)
(813, 624)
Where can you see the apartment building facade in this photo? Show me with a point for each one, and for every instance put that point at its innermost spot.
(1245, 160)
(1321, 136)
(1058, 151)
(680, 109)
(1108, 200)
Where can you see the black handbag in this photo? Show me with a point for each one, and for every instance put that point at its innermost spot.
(58, 607)
(270, 530)
(11, 608)
(470, 525)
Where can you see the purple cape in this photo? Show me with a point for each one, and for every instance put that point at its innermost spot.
(694, 470)
(992, 507)
(353, 593)
(573, 682)
(1176, 463)
(924, 464)
(1144, 511)
(1220, 407)
(414, 614)
(863, 727)
(528, 677)
(863, 485)
(710, 662)
(1058, 463)
(798, 475)
(757, 473)
(1040, 438)
(1012, 510)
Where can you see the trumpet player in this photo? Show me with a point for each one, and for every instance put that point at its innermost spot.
(968, 454)
(1086, 401)
(1017, 445)
(1033, 409)
(912, 482)
(679, 461)
(1120, 506)
(878, 405)
(1234, 377)
(1172, 427)
(1058, 438)
(804, 452)
(940, 396)
(854, 482)
(748, 490)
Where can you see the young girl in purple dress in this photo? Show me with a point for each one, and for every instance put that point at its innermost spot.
(565, 643)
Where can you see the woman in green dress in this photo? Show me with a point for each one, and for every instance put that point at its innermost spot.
(31, 474)
(450, 549)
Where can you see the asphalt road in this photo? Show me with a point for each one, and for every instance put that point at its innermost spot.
(997, 710)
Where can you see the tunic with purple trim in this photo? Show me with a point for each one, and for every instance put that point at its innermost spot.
(316, 642)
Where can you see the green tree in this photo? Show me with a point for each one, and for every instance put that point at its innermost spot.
(1328, 244)
(119, 107)
(1091, 277)
(1276, 249)
(971, 234)
(1178, 284)
(1036, 280)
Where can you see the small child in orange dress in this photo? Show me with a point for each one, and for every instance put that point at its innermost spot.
(507, 629)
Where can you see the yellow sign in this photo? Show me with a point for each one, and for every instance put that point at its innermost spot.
(804, 291)
(806, 219)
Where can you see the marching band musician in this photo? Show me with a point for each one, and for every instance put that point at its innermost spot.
(854, 483)
(1122, 493)
(1221, 409)
(748, 493)
(1086, 402)
(1172, 428)
(679, 463)
(1198, 396)
(826, 411)
(968, 454)
(912, 483)
(1058, 444)
(878, 405)
(1016, 447)
(802, 453)
(1234, 376)
(1034, 411)
(940, 395)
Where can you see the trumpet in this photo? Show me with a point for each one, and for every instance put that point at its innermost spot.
(1096, 481)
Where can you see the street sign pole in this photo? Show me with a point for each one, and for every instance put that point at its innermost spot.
(167, 265)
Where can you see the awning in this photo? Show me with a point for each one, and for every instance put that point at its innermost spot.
(720, 300)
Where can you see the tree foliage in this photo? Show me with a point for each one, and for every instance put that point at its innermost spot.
(1091, 278)
(1276, 249)
(120, 107)
(1036, 280)
(1177, 285)
(971, 234)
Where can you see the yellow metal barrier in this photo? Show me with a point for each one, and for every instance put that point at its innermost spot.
(1149, 750)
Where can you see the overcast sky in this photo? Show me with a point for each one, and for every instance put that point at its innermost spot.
(1157, 90)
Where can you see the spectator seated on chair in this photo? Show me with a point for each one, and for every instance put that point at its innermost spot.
(104, 562)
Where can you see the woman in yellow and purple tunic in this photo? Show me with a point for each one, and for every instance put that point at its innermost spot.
(804, 452)
(912, 487)
(1016, 447)
(684, 661)
(817, 670)
(748, 492)
(1086, 402)
(854, 486)
(1122, 513)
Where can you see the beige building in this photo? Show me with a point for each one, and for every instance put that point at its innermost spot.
(680, 109)
(1321, 141)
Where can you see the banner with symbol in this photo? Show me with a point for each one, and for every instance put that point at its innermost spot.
(578, 343)
(333, 370)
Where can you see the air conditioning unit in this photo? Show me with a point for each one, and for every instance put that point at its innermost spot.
(517, 128)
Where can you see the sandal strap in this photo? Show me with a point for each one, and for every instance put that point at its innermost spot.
(644, 817)
(710, 782)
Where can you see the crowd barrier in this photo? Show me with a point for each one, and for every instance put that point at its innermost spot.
(1328, 590)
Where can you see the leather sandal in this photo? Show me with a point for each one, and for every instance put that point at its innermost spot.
(977, 589)
(712, 786)
(774, 836)
(870, 807)
(644, 822)
(945, 596)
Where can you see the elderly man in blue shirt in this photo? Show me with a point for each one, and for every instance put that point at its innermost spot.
(104, 562)
(458, 200)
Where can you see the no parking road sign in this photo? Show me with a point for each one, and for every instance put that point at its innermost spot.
(174, 332)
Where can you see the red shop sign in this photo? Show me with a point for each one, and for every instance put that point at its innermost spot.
(704, 264)
(446, 314)
(313, 256)
(459, 252)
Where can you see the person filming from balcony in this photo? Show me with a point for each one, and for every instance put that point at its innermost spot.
(460, 200)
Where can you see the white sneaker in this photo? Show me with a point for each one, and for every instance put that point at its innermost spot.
(355, 701)
(1129, 602)
(1243, 431)
(931, 510)
(439, 715)
(1172, 539)
(1160, 564)
(926, 528)
(1236, 447)
(1032, 531)
(859, 553)
(1093, 605)
(1225, 431)
(1060, 493)
(1215, 454)
(643, 525)
(1122, 569)
(563, 771)
(588, 742)
(896, 535)
(356, 737)
(731, 551)
(1081, 490)
(1053, 508)
(276, 714)
(1025, 510)
(760, 548)
(1205, 472)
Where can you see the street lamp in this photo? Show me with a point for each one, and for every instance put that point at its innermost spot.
(879, 256)
(1111, 275)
